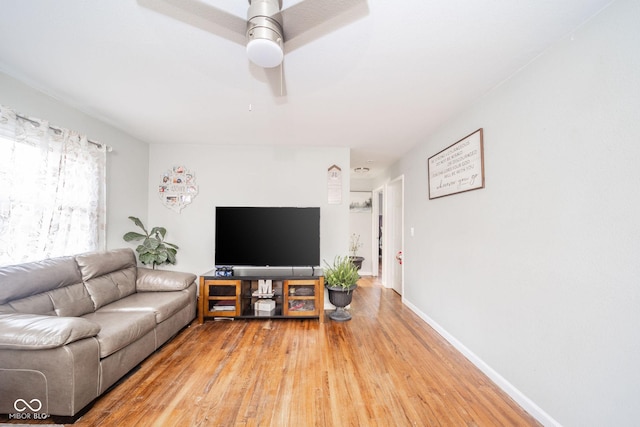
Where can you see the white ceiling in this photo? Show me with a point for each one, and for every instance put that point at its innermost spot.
(378, 77)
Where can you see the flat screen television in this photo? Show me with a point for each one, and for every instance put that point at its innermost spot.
(267, 236)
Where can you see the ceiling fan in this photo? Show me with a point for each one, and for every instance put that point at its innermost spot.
(269, 32)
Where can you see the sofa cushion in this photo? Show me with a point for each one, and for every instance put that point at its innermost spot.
(71, 300)
(6, 308)
(20, 331)
(162, 304)
(95, 264)
(23, 280)
(162, 280)
(112, 286)
(35, 304)
(119, 329)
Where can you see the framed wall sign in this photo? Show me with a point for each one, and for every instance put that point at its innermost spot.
(457, 168)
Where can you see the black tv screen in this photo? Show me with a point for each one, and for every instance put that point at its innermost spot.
(267, 236)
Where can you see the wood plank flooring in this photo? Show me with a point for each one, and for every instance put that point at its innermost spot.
(385, 367)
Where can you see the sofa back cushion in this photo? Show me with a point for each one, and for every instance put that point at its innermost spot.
(71, 301)
(95, 264)
(56, 287)
(108, 276)
(112, 286)
(24, 280)
(34, 304)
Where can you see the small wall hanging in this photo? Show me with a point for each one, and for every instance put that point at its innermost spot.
(178, 188)
(360, 201)
(334, 185)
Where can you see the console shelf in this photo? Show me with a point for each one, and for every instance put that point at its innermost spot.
(294, 297)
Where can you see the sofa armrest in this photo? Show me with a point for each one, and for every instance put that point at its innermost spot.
(20, 331)
(162, 280)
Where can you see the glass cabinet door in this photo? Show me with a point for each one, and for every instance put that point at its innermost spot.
(221, 297)
(300, 298)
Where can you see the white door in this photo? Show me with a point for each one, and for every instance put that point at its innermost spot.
(395, 227)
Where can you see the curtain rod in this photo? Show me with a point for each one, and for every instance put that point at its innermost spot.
(57, 129)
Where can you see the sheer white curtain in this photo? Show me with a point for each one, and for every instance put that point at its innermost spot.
(52, 191)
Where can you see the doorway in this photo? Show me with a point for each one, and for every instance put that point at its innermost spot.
(393, 263)
(377, 233)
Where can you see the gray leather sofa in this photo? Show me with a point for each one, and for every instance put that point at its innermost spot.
(71, 327)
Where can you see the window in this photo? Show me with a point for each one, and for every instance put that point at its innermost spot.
(51, 191)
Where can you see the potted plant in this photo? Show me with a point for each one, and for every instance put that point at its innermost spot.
(354, 245)
(341, 280)
(153, 250)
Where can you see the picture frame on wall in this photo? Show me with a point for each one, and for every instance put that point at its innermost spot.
(458, 168)
(360, 201)
(177, 188)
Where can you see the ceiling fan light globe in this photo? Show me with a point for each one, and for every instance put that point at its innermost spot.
(265, 53)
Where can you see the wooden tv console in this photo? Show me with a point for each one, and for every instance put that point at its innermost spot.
(295, 296)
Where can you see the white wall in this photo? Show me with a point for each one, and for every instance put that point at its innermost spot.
(127, 164)
(247, 176)
(538, 273)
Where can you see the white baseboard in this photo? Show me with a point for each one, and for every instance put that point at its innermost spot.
(522, 400)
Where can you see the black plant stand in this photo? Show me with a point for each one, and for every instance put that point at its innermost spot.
(340, 297)
(357, 261)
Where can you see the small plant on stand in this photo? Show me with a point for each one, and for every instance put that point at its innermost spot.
(354, 245)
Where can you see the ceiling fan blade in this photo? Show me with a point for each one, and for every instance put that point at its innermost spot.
(311, 19)
(201, 15)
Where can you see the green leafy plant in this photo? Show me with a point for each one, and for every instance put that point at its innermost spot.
(153, 250)
(341, 274)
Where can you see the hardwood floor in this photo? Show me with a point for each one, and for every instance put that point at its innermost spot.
(385, 367)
